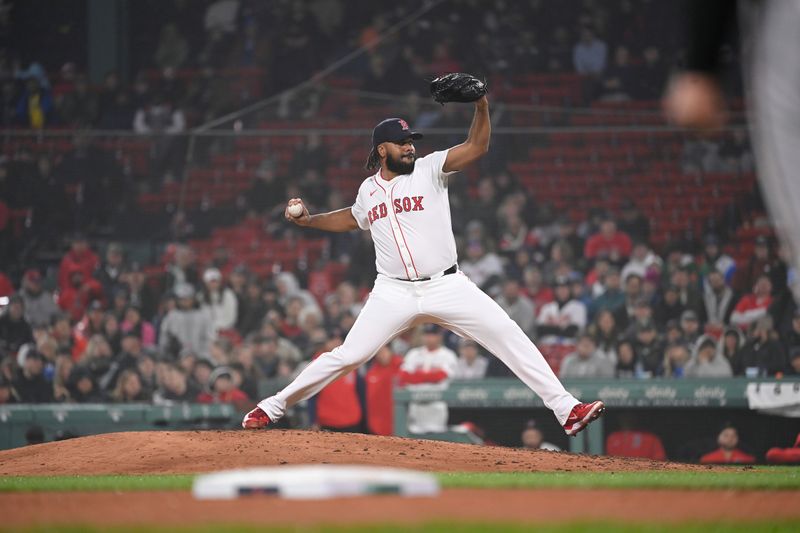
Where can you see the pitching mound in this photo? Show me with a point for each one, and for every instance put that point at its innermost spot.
(179, 452)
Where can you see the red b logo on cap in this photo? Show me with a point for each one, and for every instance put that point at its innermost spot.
(403, 123)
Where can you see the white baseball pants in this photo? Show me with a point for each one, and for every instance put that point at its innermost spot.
(452, 301)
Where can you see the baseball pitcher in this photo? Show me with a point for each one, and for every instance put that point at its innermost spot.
(405, 205)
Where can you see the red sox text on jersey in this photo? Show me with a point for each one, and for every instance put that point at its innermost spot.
(401, 205)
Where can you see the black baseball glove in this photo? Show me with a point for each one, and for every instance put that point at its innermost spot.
(457, 87)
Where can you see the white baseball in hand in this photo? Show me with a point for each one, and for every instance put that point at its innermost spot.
(295, 210)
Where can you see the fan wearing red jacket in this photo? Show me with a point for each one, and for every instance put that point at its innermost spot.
(337, 407)
(608, 243)
(381, 378)
(80, 257)
(727, 453)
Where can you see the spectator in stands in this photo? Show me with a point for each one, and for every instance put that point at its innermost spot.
(563, 317)
(109, 272)
(79, 257)
(518, 306)
(129, 388)
(30, 384)
(82, 387)
(626, 315)
(471, 363)
(182, 268)
(605, 333)
(707, 360)
(791, 338)
(40, 305)
(631, 442)
(93, 322)
(266, 354)
(80, 107)
(112, 332)
(7, 392)
(728, 451)
(172, 50)
(676, 357)
(114, 105)
(14, 329)
(175, 386)
(558, 50)
(425, 367)
(718, 300)
(642, 314)
(97, 359)
(483, 208)
(669, 306)
(690, 326)
(627, 365)
(162, 118)
(762, 355)
(289, 287)
(140, 294)
(590, 54)
(187, 326)
(535, 288)
(642, 261)
(759, 264)
(714, 260)
(132, 322)
(688, 294)
(252, 309)
(482, 266)
(729, 345)
(218, 301)
(560, 263)
(533, 439)
(649, 349)
(76, 297)
(63, 367)
(66, 339)
(223, 390)
(338, 406)
(608, 243)
(620, 79)
(754, 305)
(35, 105)
(612, 298)
(586, 361)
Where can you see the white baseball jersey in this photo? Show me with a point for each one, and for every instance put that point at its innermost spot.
(409, 218)
(429, 417)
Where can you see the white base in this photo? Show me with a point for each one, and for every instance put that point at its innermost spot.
(314, 482)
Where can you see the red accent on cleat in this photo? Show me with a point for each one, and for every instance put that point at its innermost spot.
(582, 415)
(255, 419)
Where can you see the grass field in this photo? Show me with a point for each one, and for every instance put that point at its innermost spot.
(758, 478)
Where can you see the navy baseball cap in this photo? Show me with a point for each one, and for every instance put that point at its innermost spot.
(393, 130)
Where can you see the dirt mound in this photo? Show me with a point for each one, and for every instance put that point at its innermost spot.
(178, 452)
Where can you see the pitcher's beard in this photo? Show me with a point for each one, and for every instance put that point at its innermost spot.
(398, 166)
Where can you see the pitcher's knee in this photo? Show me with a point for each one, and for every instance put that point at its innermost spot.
(348, 357)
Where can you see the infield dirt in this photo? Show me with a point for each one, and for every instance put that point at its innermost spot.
(184, 452)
